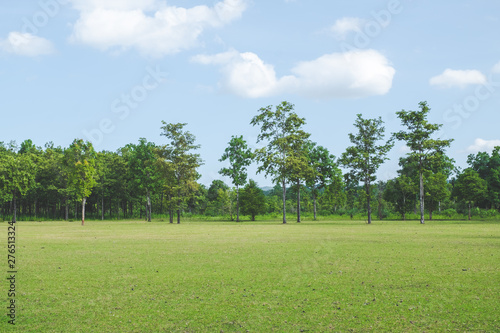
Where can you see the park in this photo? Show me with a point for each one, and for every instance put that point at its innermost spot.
(214, 276)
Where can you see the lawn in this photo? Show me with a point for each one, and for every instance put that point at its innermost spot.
(256, 277)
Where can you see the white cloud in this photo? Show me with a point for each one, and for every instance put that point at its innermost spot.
(496, 68)
(346, 25)
(481, 145)
(26, 44)
(337, 75)
(150, 26)
(458, 78)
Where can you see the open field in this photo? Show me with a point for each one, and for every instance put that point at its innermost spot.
(256, 277)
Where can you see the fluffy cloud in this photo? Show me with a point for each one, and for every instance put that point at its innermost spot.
(26, 44)
(458, 78)
(346, 25)
(337, 75)
(482, 145)
(150, 26)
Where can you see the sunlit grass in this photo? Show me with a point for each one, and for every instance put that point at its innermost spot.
(260, 277)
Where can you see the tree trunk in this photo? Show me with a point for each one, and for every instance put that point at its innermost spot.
(66, 209)
(237, 204)
(102, 206)
(314, 204)
(469, 211)
(14, 216)
(421, 197)
(284, 200)
(148, 206)
(178, 216)
(171, 216)
(84, 200)
(368, 206)
(430, 214)
(298, 201)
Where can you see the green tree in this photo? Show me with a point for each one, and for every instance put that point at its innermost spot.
(469, 187)
(280, 158)
(365, 156)
(253, 200)
(80, 159)
(184, 163)
(143, 169)
(436, 190)
(17, 175)
(401, 193)
(488, 167)
(239, 156)
(424, 149)
(334, 194)
(325, 171)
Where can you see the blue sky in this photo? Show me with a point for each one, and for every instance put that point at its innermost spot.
(111, 71)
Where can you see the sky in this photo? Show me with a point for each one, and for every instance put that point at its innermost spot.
(111, 71)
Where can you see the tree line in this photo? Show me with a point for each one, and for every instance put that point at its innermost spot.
(145, 179)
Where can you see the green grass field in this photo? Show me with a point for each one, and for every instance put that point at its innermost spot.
(256, 277)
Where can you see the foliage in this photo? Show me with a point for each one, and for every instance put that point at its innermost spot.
(283, 155)
(365, 156)
(253, 200)
(425, 151)
(470, 187)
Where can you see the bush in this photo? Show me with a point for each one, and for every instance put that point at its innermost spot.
(450, 212)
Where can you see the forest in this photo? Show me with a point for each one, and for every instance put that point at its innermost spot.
(144, 180)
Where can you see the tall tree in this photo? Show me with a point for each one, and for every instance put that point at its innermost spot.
(142, 164)
(239, 156)
(325, 171)
(80, 158)
(365, 157)
(469, 187)
(424, 149)
(184, 162)
(282, 130)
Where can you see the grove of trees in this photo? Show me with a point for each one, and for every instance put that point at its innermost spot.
(145, 180)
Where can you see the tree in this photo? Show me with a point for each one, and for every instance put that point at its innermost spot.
(253, 200)
(239, 156)
(365, 157)
(424, 149)
(325, 170)
(143, 169)
(488, 168)
(80, 159)
(17, 175)
(469, 187)
(334, 194)
(184, 163)
(401, 193)
(435, 190)
(280, 158)
(216, 188)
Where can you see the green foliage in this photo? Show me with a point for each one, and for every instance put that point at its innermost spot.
(469, 187)
(365, 156)
(184, 164)
(488, 168)
(253, 200)
(425, 151)
(283, 157)
(401, 192)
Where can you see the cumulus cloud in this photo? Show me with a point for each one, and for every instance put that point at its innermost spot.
(482, 145)
(26, 44)
(346, 25)
(458, 78)
(337, 75)
(149, 26)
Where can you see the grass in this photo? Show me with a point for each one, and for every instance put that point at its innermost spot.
(257, 277)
